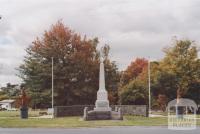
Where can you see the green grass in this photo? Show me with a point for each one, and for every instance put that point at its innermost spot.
(11, 120)
(160, 113)
(17, 113)
(75, 122)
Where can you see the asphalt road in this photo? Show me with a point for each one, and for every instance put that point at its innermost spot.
(108, 130)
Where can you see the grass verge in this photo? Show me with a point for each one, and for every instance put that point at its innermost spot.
(10, 119)
(76, 122)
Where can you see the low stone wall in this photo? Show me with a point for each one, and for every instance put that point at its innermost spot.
(140, 110)
(77, 110)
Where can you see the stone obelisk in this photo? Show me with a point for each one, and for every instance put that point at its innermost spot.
(102, 110)
(102, 103)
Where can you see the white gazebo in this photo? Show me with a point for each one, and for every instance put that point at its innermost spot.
(184, 119)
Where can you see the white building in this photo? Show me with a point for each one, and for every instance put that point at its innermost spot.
(7, 104)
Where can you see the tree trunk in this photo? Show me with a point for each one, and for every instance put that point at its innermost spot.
(179, 109)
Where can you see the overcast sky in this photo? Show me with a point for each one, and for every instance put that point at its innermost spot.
(133, 28)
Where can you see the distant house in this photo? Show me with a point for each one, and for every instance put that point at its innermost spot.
(7, 104)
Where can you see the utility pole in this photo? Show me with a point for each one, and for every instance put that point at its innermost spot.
(52, 89)
(149, 80)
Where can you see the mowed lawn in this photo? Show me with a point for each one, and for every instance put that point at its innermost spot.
(71, 122)
(76, 122)
(17, 113)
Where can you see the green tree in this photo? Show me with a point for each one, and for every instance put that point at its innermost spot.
(181, 62)
(112, 76)
(10, 91)
(134, 93)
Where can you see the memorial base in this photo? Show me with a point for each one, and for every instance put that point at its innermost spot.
(102, 114)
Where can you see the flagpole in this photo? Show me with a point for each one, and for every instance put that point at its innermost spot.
(149, 81)
(52, 89)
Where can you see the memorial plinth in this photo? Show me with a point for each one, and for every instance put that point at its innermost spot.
(102, 110)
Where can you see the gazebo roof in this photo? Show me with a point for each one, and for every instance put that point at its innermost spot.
(182, 102)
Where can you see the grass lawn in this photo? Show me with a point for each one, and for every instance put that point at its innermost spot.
(17, 113)
(11, 119)
(72, 122)
(75, 122)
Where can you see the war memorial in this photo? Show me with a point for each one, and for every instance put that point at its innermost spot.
(102, 110)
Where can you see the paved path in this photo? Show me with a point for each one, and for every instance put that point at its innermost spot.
(108, 130)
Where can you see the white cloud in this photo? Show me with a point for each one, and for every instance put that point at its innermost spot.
(133, 28)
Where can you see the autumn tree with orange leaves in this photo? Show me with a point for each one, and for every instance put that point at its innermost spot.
(134, 83)
(133, 70)
(76, 68)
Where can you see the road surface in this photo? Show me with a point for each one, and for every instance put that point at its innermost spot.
(107, 130)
